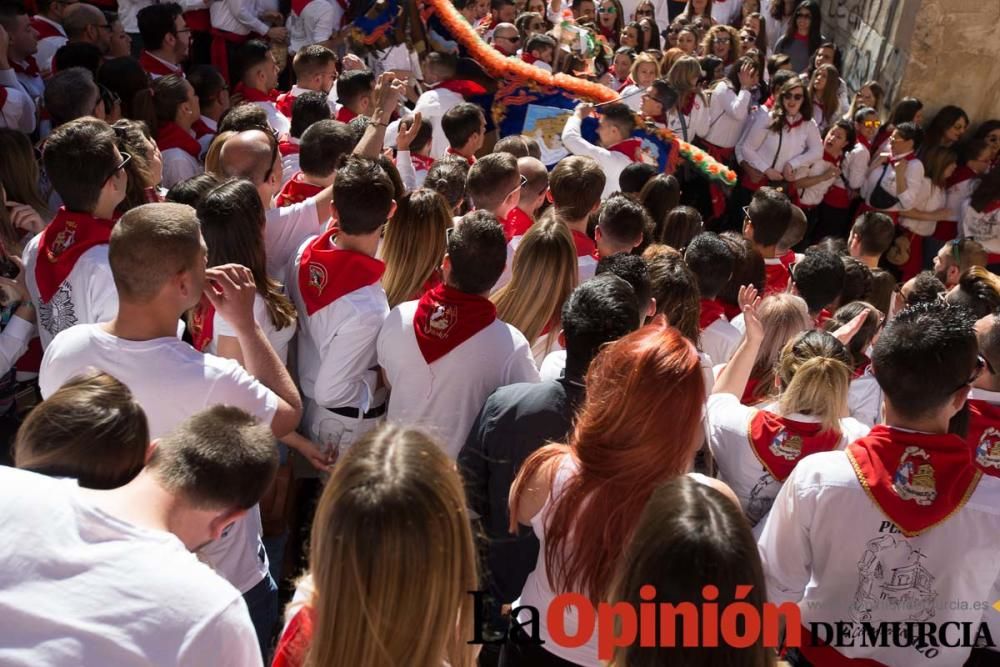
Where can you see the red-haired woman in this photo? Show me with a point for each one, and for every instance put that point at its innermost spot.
(583, 499)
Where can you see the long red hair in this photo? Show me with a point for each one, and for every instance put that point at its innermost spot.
(635, 430)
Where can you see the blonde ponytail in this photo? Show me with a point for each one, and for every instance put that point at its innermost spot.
(815, 375)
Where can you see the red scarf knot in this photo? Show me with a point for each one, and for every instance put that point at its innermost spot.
(446, 318)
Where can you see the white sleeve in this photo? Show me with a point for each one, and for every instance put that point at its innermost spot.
(521, 365)
(14, 341)
(102, 294)
(751, 144)
(346, 373)
(234, 386)
(661, 12)
(285, 230)
(318, 18)
(227, 639)
(737, 105)
(245, 13)
(813, 149)
(18, 110)
(700, 119)
(575, 143)
(914, 185)
(857, 167)
(785, 550)
(193, 5)
(406, 171)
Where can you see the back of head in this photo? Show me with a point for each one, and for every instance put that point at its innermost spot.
(414, 243)
(978, 291)
(461, 122)
(125, 77)
(90, 429)
(875, 232)
(536, 177)
(394, 498)
(218, 459)
(156, 22)
(623, 220)
(491, 179)
(635, 176)
(923, 288)
(70, 94)
(924, 355)
(192, 190)
(78, 18)
(748, 267)
(690, 536)
(783, 317)
(883, 287)
(324, 147)
(634, 270)
(85, 141)
(911, 132)
(309, 107)
(354, 85)
(967, 253)
(796, 230)
(249, 55)
(251, 154)
(857, 280)
(576, 184)
(447, 177)
(80, 55)
(207, 82)
(679, 226)
(819, 278)
(477, 249)
(368, 191)
(232, 223)
(151, 244)
(514, 145)
(815, 371)
(711, 260)
(858, 345)
(599, 311)
(676, 292)
(621, 116)
(769, 212)
(244, 117)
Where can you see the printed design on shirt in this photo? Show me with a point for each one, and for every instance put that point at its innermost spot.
(441, 321)
(893, 583)
(58, 313)
(761, 498)
(788, 447)
(914, 477)
(317, 277)
(988, 449)
(62, 242)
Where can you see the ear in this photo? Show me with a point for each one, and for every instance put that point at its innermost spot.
(548, 196)
(223, 520)
(149, 451)
(562, 338)
(446, 268)
(598, 234)
(748, 229)
(651, 311)
(392, 209)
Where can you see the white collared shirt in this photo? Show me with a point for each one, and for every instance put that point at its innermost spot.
(236, 16)
(612, 162)
(433, 105)
(48, 46)
(728, 111)
(799, 146)
(317, 22)
(914, 183)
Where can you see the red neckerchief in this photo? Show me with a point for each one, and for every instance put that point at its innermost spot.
(769, 102)
(775, 278)
(992, 206)
(711, 310)
(893, 161)
(153, 65)
(284, 104)
(45, 29)
(29, 68)
(528, 58)
(864, 142)
(254, 95)
(822, 318)
(629, 148)
(585, 247)
(792, 125)
(298, 6)
(779, 442)
(295, 640)
(151, 195)
(201, 129)
(345, 115)
(800, 37)
(688, 105)
(63, 241)
(788, 258)
(202, 324)
(296, 190)
(421, 162)
(171, 135)
(832, 160)
(287, 147)
(917, 480)
(660, 119)
(626, 83)
(517, 223)
(862, 368)
(446, 318)
(471, 159)
(960, 175)
(748, 398)
(984, 435)
(463, 87)
(731, 310)
(327, 273)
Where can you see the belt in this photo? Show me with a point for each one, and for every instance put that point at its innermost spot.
(353, 413)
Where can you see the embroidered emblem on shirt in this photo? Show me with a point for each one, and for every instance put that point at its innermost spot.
(317, 277)
(988, 449)
(441, 321)
(914, 478)
(58, 313)
(63, 240)
(785, 446)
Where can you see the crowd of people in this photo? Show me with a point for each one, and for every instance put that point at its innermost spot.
(304, 364)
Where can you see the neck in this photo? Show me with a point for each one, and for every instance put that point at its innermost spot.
(871, 261)
(767, 252)
(366, 244)
(214, 112)
(576, 225)
(165, 55)
(254, 86)
(575, 371)
(144, 503)
(464, 151)
(139, 322)
(184, 121)
(104, 210)
(937, 423)
(17, 56)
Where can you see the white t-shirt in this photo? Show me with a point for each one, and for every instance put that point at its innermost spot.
(84, 588)
(612, 162)
(88, 294)
(172, 381)
(719, 340)
(553, 366)
(278, 338)
(864, 399)
(444, 397)
(285, 229)
(178, 165)
(433, 105)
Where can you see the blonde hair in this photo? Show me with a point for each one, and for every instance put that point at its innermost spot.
(414, 244)
(815, 374)
(392, 550)
(679, 77)
(639, 60)
(543, 275)
(783, 316)
(213, 156)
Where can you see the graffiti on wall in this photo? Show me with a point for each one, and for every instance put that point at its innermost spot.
(863, 30)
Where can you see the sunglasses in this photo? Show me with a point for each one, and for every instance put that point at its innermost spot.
(644, 12)
(872, 123)
(515, 39)
(723, 40)
(795, 97)
(976, 372)
(804, 16)
(520, 184)
(607, 10)
(126, 158)
(748, 38)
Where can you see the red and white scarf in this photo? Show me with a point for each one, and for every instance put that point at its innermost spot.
(171, 135)
(157, 67)
(984, 435)
(254, 95)
(917, 480)
(288, 146)
(779, 442)
(201, 324)
(471, 159)
(711, 310)
(585, 246)
(45, 28)
(284, 104)
(29, 68)
(517, 223)
(421, 162)
(327, 273)
(62, 243)
(446, 318)
(296, 190)
(463, 87)
(345, 115)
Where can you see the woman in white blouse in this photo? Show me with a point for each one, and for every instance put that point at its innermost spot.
(729, 107)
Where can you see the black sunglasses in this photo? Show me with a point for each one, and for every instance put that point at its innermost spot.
(976, 372)
(126, 158)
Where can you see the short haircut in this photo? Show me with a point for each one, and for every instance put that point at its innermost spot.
(158, 21)
(368, 193)
(311, 59)
(424, 135)
(819, 278)
(308, 108)
(192, 190)
(151, 244)
(857, 280)
(220, 458)
(491, 179)
(85, 141)
(911, 132)
(249, 55)
(599, 311)
(622, 219)
(770, 211)
(76, 55)
(447, 177)
(989, 343)
(635, 176)
(207, 82)
(78, 18)
(91, 429)
(353, 85)
(875, 231)
(711, 260)
(966, 253)
(924, 288)
(70, 94)
(634, 270)
(513, 144)
(576, 185)
(539, 42)
(748, 267)
(978, 292)
(619, 114)
(324, 147)
(244, 117)
(924, 355)
(477, 249)
(461, 122)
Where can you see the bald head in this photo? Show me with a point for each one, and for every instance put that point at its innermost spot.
(248, 155)
(79, 17)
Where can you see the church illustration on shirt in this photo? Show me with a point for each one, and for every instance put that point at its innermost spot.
(893, 584)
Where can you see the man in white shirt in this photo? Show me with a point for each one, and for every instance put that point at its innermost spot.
(66, 266)
(166, 37)
(315, 69)
(341, 304)
(259, 78)
(901, 527)
(86, 24)
(617, 150)
(157, 257)
(22, 44)
(17, 109)
(111, 580)
(51, 35)
(446, 93)
(575, 187)
(443, 355)
(711, 261)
